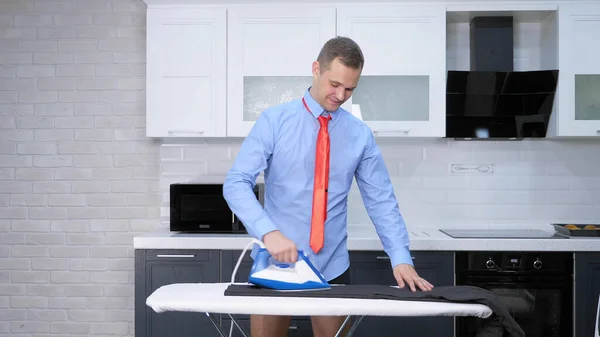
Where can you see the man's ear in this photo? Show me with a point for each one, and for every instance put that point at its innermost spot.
(316, 69)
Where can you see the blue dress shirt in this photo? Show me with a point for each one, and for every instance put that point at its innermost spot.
(282, 144)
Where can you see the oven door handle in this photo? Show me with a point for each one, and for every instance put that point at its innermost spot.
(519, 284)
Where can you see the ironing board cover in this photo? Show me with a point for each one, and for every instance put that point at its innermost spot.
(210, 297)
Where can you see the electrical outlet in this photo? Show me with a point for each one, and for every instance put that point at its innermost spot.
(472, 168)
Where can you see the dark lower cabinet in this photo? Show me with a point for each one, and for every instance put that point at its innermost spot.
(299, 327)
(155, 268)
(587, 290)
(375, 268)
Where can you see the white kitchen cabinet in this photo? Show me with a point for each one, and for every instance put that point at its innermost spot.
(270, 53)
(213, 68)
(186, 66)
(402, 88)
(579, 77)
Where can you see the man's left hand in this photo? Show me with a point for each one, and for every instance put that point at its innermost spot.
(406, 274)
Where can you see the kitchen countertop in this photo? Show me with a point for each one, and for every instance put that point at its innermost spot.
(365, 239)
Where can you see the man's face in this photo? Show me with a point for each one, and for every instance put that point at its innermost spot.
(334, 85)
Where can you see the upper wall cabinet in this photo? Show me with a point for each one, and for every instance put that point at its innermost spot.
(270, 54)
(402, 88)
(213, 68)
(186, 66)
(579, 78)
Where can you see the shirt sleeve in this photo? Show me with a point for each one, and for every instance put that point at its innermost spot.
(380, 202)
(255, 151)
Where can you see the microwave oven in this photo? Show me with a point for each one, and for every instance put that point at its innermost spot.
(201, 208)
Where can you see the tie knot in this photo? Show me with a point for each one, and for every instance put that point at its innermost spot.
(323, 120)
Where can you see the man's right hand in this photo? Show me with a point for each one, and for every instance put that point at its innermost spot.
(281, 248)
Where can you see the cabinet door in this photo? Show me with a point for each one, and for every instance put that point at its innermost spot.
(186, 63)
(579, 76)
(402, 90)
(375, 268)
(298, 328)
(156, 268)
(587, 290)
(271, 49)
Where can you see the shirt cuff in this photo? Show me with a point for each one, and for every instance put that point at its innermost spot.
(262, 226)
(401, 256)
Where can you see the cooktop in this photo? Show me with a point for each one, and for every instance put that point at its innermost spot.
(501, 234)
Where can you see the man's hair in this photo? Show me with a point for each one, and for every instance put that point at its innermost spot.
(343, 48)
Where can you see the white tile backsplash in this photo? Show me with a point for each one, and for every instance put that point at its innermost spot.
(446, 183)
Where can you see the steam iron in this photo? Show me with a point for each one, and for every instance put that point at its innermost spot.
(301, 275)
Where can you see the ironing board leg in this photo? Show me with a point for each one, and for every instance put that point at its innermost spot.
(220, 330)
(238, 326)
(216, 324)
(352, 327)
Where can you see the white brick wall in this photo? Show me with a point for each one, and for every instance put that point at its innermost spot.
(78, 178)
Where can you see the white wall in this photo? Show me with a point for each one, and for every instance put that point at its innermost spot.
(78, 179)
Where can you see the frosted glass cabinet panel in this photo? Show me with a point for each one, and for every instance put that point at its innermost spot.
(262, 92)
(587, 97)
(402, 88)
(270, 51)
(391, 98)
(578, 102)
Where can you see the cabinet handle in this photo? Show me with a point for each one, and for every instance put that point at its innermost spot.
(200, 132)
(387, 257)
(175, 255)
(293, 327)
(392, 132)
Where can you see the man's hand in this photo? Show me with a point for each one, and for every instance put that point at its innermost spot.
(405, 273)
(281, 248)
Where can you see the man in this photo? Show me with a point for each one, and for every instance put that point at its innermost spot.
(309, 163)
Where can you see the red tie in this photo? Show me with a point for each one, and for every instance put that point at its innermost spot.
(319, 206)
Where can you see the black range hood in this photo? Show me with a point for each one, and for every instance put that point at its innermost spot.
(493, 102)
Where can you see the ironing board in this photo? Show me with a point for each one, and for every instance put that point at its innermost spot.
(209, 298)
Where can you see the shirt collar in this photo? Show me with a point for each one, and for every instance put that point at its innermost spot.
(315, 108)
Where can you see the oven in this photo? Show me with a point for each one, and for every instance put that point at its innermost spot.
(536, 287)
